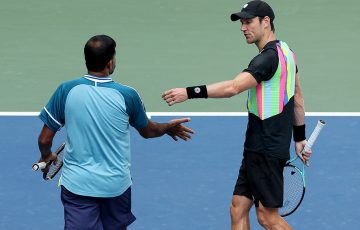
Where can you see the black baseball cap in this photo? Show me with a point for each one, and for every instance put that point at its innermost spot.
(254, 9)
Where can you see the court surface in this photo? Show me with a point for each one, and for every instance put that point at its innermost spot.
(186, 185)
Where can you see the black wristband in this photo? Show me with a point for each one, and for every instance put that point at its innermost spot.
(299, 133)
(197, 91)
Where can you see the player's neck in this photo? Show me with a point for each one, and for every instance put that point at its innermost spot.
(103, 73)
(268, 37)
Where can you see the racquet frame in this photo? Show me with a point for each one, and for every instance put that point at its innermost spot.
(43, 165)
(314, 135)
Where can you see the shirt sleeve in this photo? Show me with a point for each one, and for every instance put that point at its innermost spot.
(264, 65)
(53, 113)
(136, 110)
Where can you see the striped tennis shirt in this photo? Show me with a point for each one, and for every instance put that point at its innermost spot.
(96, 113)
(271, 103)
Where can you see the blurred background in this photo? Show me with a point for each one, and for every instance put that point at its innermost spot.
(163, 44)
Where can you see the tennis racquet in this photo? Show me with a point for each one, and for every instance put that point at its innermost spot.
(54, 166)
(294, 177)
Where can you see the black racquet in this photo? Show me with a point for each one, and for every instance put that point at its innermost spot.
(54, 167)
(294, 177)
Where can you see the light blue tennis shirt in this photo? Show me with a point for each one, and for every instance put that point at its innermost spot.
(96, 113)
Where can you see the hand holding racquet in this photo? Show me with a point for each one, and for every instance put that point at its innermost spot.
(54, 166)
(294, 177)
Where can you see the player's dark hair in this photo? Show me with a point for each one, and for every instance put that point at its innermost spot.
(271, 23)
(99, 50)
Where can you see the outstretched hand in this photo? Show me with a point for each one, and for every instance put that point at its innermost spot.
(176, 129)
(303, 155)
(174, 96)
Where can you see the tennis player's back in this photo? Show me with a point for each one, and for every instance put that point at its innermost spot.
(97, 159)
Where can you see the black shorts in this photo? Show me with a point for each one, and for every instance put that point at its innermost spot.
(261, 179)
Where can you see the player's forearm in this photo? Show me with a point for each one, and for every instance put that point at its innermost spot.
(242, 82)
(45, 141)
(299, 111)
(154, 129)
(45, 147)
(224, 89)
(299, 105)
(159, 130)
(299, 132)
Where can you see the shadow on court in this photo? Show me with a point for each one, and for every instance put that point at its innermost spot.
(186, 185)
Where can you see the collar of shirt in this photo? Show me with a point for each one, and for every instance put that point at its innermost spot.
(98, 79)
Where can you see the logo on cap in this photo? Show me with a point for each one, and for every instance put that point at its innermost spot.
(245, 5)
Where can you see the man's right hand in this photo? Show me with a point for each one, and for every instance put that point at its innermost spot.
(51, 157)
(176, 95)
(303, 155)
(176, 129)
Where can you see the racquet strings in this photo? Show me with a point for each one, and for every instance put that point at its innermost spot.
(294, 190)
(55, 166)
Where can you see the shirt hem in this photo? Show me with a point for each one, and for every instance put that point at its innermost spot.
(90, 194)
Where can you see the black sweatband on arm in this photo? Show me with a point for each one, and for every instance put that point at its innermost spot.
(299, 133)
(197, 91)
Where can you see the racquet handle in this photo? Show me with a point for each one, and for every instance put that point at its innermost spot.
(42, 165)
(314, 135)
(38, 166)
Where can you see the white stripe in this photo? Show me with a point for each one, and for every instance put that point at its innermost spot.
(206, 114)
(98, 80)
(242, 114)
(195, 114)
(22, 114)
(333, 114)
(52, 117)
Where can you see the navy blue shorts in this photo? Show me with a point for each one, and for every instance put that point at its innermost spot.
(96, 213)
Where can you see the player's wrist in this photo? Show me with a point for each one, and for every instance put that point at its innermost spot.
(197, 92)
(299, 133)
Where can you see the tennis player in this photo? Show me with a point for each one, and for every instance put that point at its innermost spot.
(275, 111)
(97, 112)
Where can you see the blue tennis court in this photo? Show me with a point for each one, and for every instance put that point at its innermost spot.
(186, 185)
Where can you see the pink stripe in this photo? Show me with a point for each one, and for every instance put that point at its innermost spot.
(259, 100)
(282, 78)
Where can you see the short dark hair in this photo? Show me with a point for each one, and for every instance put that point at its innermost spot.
(98, 51)
(271, 23)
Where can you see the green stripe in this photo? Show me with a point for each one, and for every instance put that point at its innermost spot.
(275, 91)
(253, 101)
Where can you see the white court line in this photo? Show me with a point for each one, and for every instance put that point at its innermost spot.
(207, 114)
(333, 114)
(241, 114)
(20, 114)
(197, 114)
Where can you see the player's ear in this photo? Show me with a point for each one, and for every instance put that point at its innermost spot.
(109, 65)
(266, 22)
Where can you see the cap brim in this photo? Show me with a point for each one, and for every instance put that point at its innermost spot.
(241, 15)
